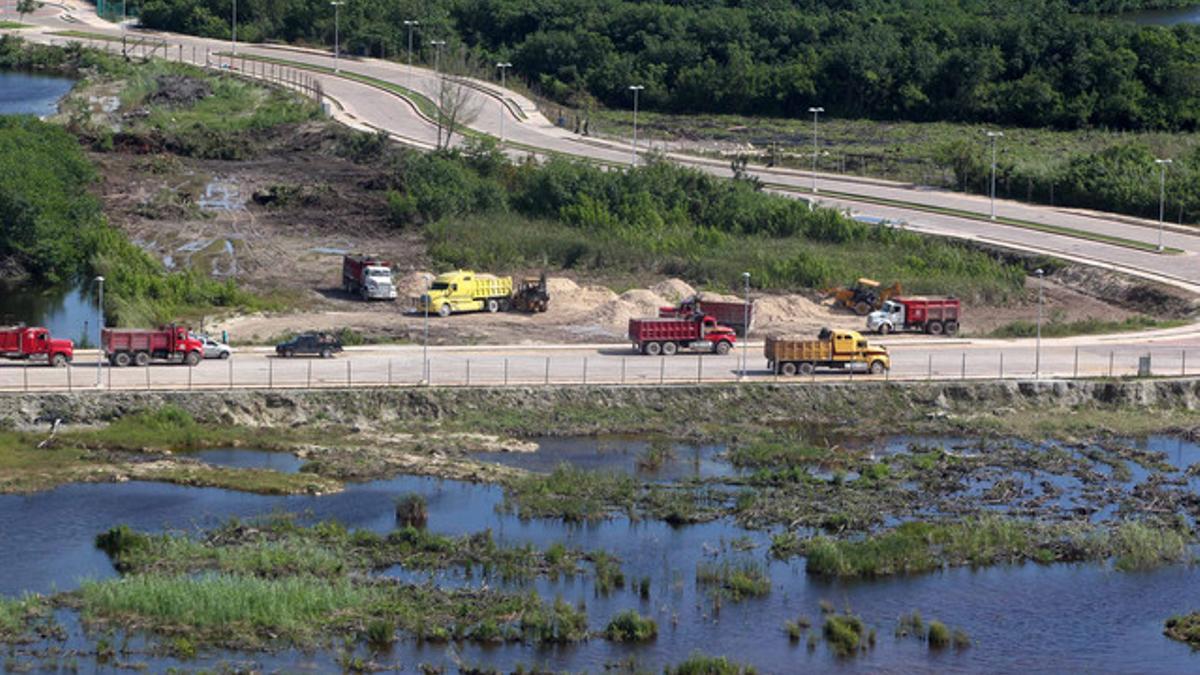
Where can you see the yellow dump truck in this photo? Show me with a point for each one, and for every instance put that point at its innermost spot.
(466, 291)
(833, 349)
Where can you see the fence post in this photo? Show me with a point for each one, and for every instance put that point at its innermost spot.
(662, 369)
(585, 371)
(69, 383)
(1110, 363)
(547, 370)
(230, 362)
(270, 373)
(349, 378)
(1182, 362)
(389, 372)
(700, 369)
(147, 370)
(1075, 372)
(308, 381)
(110, 369)
(623, 370)
(506, 371)
(468, 372)
(189, 369)
(25, 376)
(964, 366)
(929, 372)
(1002, 365)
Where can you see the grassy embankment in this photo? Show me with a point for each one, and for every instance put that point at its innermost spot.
(62, 232)
(1059, 328)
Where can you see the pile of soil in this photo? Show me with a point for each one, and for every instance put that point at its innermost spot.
(178, 90)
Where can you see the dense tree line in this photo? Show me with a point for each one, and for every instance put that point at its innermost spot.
(1022, 62)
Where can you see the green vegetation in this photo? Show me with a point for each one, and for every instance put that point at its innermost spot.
(571, 494)
(19, 616)
(914, 547)
(1052, 328)
(796, 629)
(847, 634)
(938, 635)
(735, 579)
(629, 626)
(412, 510)
(1185, 628)
(1027, 63)
(7, 25)
(702, 664)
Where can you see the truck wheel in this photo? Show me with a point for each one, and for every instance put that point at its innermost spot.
(141, 359)
(877, 368)
(58, 360)
(493, 305)
(653, 348)
(807, 369)
(121, 359)
(935, 328)
(951, 328)
(862, 309)
(723, 347)
(788, 369)
(670, 349)
(326, 353)
(287, 353)
(192, 358)
(884, 329)
(444, 310)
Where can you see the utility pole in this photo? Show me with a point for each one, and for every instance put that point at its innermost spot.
(1162, 197)
(437, 58)
(745, 320)
(815, 112)
(635, 88)
(994, 135)
(100, 332)
(503, 66)
(337, 46)
(233, 18)
(410, 24)
(425, 342)
(1037, 357)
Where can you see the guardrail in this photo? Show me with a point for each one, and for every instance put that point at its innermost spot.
(602, 368)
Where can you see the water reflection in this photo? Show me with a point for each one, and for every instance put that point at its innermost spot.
(31, 94)
(68, 311)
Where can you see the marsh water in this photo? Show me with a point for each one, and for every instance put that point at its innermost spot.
(1036, 618)
(30, 93)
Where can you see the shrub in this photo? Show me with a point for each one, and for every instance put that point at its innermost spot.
(629, 626)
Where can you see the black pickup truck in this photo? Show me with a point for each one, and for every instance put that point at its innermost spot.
(311, 344)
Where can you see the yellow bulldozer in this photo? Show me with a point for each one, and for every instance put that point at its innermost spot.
(864, 297)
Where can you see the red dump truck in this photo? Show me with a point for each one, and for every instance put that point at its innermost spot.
(736, 315)
(668, 336)
(368, 277)
(933, 315)
(171, 344)
(35, 344)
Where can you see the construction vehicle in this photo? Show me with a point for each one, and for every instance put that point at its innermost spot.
(667, 336)
(737, 315)
(170, 344)
(466, 291)
(932, 315)
(833, 349)
(532, 295)
(28, 343)
(865, 296)
(368, 277)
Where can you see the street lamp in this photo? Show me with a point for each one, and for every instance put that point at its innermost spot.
(815, 112)
(503, 66)
(425, 342)
(635, 88)
(1162, 197)
(994, 135)
(745, 319)
(1037, 356)
(100, 329)
(437, 59)
(410, 24)
(337, 47)
(233, 16)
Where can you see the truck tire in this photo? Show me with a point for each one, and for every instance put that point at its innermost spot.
(327, 353)
(723, 347)
(862, 308)
(493, 305)
(287, 353)
(877, 368)
(444, 310)
(121, 359)
(141, 359)
(505, 305)
(670, 348)
(951, 328)
(935, 328)
(58, 360)
(788, 369)
(807, 369)
(192, 358)
(884, 328)
(653, 348)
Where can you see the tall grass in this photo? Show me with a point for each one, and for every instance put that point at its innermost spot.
(571, 494)
(1092, 326)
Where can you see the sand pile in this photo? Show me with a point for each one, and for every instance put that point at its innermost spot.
(637, 303)
(673, 290)
(412, 284)
(719, 297)
(570, 300)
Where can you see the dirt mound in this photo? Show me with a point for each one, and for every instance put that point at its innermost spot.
(718, 297)
(179, 90)
(637, 303)
(561, 287)
(673, 290)
(412, 285)
(777, 309)
(568, 300)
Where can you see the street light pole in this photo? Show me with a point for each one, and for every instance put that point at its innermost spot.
(234, 19)
(410, 24)
(503, 66)
(1162, 197)
(437, 58)
(994, 135)
(337, 46)
(635, 88)
(815, 112)
(1037, 356)
(745, 320)
(100, 333)
(425, 342)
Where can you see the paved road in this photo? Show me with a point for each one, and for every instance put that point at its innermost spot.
(525, 129)
(1172, 354)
